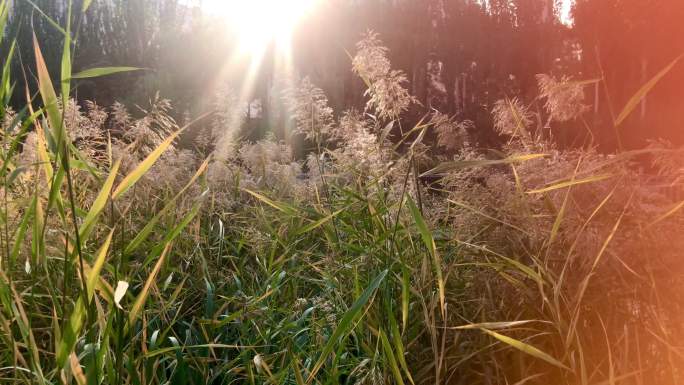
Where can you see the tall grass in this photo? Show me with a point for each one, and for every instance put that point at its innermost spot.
(126, 259)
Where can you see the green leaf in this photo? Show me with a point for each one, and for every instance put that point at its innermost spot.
(98, 204)
(20, 233)
(47, 92)
(73, 328)
(48, 18)
(149, 226)
(318, 223)
(102, 71)
(389, 354)
(429, 242)
(86, 5)
(346, 323)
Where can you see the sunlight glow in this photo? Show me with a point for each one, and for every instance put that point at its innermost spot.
(259, 23)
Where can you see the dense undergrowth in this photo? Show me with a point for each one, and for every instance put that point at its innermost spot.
(391, 254)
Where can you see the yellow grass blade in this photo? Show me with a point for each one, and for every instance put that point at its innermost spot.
(643, 91)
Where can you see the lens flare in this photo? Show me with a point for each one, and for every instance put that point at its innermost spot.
(260, 23)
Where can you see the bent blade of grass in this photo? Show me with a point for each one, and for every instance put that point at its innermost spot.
(149, 226)
(142, 296)
(643, 91)
(151, 159)
(48, 18)
(73, 328)
(571, 183)
(171, 235)
(175, 348)
(144, 166)
(495, 325)
(670, 212)
(287, 209)
(99, 203)
(462, 164)
(526, 348)
(476, 211)
(561, 213)
(346, 323)
(585, 282)
(429, 242)
(318, 223)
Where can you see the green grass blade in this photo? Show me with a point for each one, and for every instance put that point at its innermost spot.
(389, 354)
(99, 203)
(429, 242)
(47, 92)
(73, 328)
(318, 223)
(149, 226)
(346, 323)
(102, 71)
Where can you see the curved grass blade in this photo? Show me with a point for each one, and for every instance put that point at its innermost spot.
(144, 166)
(670, 212)
(151, 159)
(461, 164)
(495, 325)
(525, 348)
(318, 223)
(287, 209)
(142, 296)
(571, 183)
(643, 91)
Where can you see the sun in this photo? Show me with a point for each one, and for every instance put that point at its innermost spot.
(260, 23)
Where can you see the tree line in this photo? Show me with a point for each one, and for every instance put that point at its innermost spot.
(460, 55)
